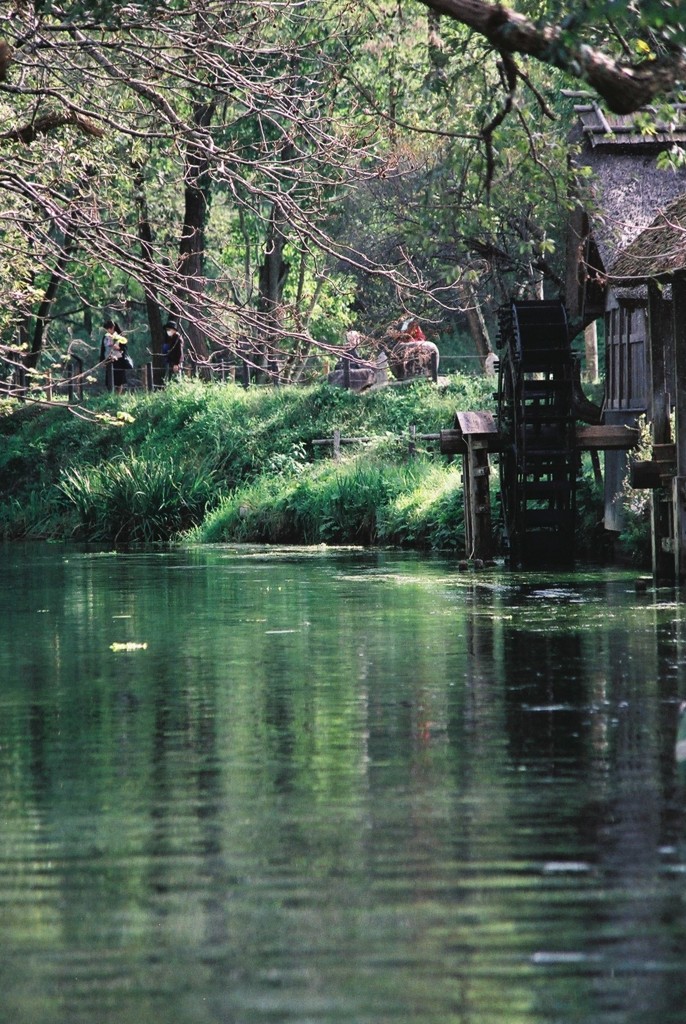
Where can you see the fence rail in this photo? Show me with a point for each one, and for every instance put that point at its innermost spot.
(336, 440)
(73, 380)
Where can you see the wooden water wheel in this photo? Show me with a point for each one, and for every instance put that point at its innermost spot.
(538, 460)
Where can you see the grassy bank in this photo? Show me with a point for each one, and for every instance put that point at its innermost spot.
(219, 463)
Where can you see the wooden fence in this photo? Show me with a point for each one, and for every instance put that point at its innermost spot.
(412, 437)
(75, 381)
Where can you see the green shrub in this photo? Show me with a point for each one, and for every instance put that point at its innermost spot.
(429, 514)
(635, 540)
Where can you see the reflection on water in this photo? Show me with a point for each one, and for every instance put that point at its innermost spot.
(245, 785)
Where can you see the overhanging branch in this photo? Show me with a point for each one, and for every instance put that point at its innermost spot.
(625, 88)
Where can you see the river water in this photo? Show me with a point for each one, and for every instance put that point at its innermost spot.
(246, 785)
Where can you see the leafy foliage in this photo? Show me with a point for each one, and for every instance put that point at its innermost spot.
(361, 501)
(137, 500)
(392, 159)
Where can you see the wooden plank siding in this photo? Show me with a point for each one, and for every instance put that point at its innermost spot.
(626, 388)
(626, 331)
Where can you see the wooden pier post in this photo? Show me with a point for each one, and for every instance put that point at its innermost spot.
(477, 499)
(658, 416)
(679, 481)
(478, 430)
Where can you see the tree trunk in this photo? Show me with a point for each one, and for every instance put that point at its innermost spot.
(271, 283)
(477, 327)
(148, 279)
(192, 245)
(43, 313)
(272, 280)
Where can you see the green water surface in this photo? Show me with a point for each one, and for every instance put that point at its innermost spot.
(247, 785)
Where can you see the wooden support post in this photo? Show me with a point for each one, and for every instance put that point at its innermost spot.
(149, 381)
(478, 434)
(591, 352)
(480, 498)
(679, 482)
(48, 385)
(336, 445)
(597, 472)
(468, 503)
(412, 445)
(246, 374)
(658, 399)
(658, 415)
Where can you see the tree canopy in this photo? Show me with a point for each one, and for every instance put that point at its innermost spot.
(270, 172)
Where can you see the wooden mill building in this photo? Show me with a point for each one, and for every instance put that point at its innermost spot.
(626, 266)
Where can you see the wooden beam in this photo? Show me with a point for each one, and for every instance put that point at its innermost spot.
(606, 437)
(649, 474)
(603, 437)
(452, 442)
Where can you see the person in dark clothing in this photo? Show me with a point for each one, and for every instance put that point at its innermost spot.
(173, 350)
(113, 353)
(106, 345)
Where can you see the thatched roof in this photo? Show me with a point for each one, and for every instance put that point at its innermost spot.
(627, 131)
(626, 183)
(659, 250)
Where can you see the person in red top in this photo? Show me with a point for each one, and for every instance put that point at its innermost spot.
(411, 327)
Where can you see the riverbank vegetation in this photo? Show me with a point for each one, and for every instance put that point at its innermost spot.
(233, 464)
(219, 463)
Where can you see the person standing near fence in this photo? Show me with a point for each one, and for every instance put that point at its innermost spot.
(173, 350)
(107, 347)
(114, 354)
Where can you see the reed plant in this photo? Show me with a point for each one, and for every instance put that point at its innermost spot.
(133, 499)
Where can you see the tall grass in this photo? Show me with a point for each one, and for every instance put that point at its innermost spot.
(354, 502)
(134, 499)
